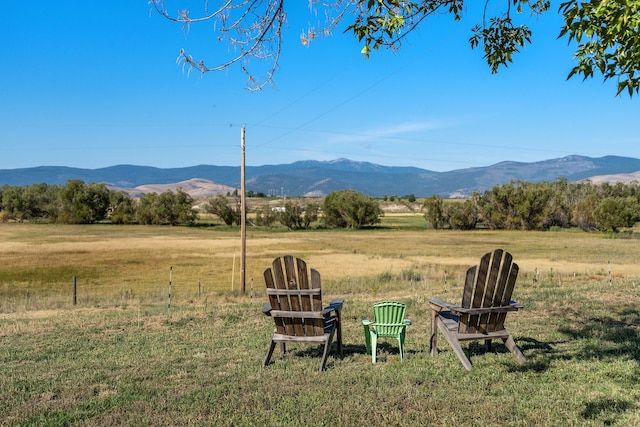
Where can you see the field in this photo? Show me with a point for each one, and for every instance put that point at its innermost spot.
(121, 355)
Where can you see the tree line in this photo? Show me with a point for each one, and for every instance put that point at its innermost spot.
(518, 205)
(341, 209)
(77, 202)
(521, 205)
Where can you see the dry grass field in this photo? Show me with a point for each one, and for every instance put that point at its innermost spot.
(133, 262)
(119, 358)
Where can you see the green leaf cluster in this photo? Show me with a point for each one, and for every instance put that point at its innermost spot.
(77, 202)
(165, 208)
(608, 37)
(521, 205)
(350, 209)
(607, 32)
(229, 211)
(297, 217)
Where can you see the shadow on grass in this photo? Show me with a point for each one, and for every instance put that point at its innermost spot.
(614, 336)
(606, 410)
(349, 350)
(606, 336)
(596, 337)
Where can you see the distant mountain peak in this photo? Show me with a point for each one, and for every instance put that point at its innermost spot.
(313, 177)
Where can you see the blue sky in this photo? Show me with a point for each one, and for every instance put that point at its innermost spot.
(94, 84)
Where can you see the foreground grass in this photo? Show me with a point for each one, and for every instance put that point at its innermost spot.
(203, 366)
(126, 361)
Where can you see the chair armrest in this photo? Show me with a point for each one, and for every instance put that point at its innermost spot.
(334, 305)
(366, 322)
(501, 309)
(266, 309)
(438, 303)
(407, 321)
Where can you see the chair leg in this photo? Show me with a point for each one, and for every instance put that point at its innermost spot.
(339, 331)
(367, 338)
(401, 338)
(455, 345)
(324, 356)
(374, 346)
(433, 341)
(327, 345)
(510, 343)
(272, 346)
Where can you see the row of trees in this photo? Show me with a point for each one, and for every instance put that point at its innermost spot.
(540, 206)
(79, 203)
(345, 209)
(517, 205)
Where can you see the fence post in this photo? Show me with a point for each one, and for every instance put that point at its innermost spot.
(169, 303)
(75, 291)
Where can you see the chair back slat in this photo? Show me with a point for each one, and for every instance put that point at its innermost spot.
(274, 300)
(469, 323)
(389, 318)
(294, 282)
(506, 296)
(485, 321)
(469, 287)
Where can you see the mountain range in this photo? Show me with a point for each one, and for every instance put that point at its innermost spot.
(318, 178)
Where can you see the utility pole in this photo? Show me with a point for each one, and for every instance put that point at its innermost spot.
(243, 219)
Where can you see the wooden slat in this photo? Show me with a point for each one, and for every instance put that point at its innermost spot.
(310, 292)
(311, 339)
(305, 299)
(494, 274)
(316, 304)
(469, 287)
(297, 314)
(278, 274)
(498, 297)
(467, 295)
(274, 301)
(488, 299)
(508, 291)
(292, 281)
(505, 272)
(478, 336)
(478, 293)
(284, 302)
(479, 311)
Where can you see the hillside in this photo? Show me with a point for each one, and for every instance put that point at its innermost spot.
(195, 187)
(318, 178)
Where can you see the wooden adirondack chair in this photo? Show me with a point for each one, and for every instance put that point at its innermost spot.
(486, 300)
(295, 303)
(389, 322)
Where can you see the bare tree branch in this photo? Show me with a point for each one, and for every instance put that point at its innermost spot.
(251, 28)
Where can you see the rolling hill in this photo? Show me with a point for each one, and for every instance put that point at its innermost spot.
(317, 178)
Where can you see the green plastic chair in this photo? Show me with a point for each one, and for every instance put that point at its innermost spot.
(389, 322)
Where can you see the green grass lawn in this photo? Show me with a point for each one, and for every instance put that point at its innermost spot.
(127, 362)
